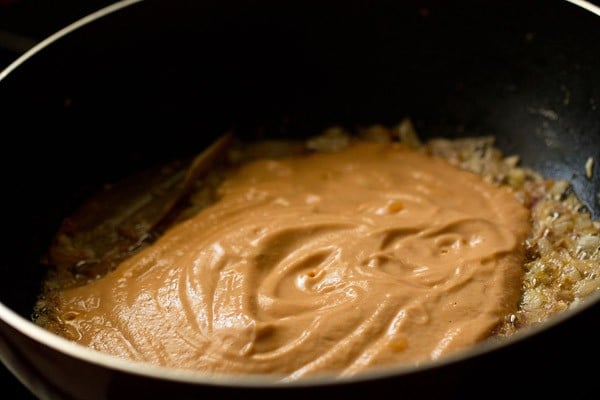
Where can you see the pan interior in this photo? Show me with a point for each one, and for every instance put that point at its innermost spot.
(96, 99)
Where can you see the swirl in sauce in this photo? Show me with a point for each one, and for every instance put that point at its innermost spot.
(332, 262)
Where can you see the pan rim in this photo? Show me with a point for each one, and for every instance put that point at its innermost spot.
(97, 358)
(584, 4)
(64, 32)
(82, 353)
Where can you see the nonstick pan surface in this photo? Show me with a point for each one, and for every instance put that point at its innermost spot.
(157, 80)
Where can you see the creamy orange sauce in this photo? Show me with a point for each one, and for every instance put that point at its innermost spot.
(332, 262)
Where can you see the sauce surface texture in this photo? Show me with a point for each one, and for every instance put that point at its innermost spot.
(331, 262)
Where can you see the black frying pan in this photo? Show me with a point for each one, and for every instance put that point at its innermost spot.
(158, 80)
